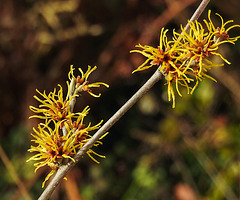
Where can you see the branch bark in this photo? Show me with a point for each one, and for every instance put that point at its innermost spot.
(62, 171)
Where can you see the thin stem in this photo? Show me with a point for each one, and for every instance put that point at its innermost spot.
(71, 93)
(138, 95)
(197, 13)
(64, 131)
(62, 171)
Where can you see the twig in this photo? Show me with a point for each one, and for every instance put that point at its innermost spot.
(197, 13)
(62, 171)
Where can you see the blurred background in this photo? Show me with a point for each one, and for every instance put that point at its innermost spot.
(154, 152)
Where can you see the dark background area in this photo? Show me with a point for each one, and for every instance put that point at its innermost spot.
(154, 152)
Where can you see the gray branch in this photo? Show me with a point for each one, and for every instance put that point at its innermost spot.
(62, 171)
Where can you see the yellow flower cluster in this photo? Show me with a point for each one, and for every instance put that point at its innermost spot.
(185, 60)
(63, 132)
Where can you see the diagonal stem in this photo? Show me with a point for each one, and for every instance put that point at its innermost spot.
(62, 171)
(197, 13)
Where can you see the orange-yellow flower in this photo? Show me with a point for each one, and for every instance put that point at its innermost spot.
(63, 132)
(82, 84)
(185, 60)
(53, 106)
(221, 33)
(81, 132)
(167, 57)
(52, 148)
(162, 56)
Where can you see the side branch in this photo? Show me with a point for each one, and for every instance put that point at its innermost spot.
(62, 171)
